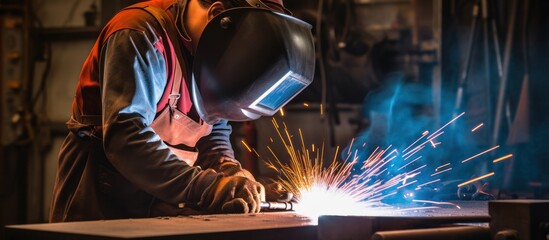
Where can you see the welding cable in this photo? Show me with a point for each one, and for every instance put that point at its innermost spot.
(284, 206)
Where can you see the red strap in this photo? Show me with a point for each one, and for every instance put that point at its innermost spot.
(178, 97)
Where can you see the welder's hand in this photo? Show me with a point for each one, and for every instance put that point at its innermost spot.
(236, 194)
(234, 169)
(274, 192)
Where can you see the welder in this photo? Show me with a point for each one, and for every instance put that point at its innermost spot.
(149, 131)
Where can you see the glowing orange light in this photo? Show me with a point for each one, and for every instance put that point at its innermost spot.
(502, 158)
(321, 109)
(256, 153)
(476, 179)
(477, 127)
(246, 145)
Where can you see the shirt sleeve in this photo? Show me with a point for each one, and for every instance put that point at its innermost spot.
(216, 148)
(133, 75)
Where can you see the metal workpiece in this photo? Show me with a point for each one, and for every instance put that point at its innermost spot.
(364, 227)
(440, 233)
(519, 219)
(262, 226)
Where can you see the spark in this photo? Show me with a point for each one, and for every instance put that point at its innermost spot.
(434, 144)
(404, 185)
(481, 153)
(281, 112)
(274, 155)
(437, 203)
(413, 152)
(321, 109)
(427, 183)
(305, 104)
(409, 163)
(422, 145)
(246, 145)
(417, 169)
(416, 208)
(275, 123)
(436, 133)
(437, 173)
(476, 179)
(256, 153)
(313, 183)
(357, 184)
(477, 127)
(442, 166)
(445, 125)
(422, 135)
(351, 146)
(502, 158)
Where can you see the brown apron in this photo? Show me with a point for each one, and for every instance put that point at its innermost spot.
(176, 128)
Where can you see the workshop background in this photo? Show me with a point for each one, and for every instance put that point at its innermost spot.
(386, 71)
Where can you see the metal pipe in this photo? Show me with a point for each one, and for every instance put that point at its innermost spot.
(505, 77)
(468, 53)
(284, 206)
(495, 38)
(443, 233)
(487, 63)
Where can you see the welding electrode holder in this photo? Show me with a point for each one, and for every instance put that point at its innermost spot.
(282, 206)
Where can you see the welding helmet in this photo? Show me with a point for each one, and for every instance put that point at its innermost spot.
(250, 61)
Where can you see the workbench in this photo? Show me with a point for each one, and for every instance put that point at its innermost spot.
(261, 226)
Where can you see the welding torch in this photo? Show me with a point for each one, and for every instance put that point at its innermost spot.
(283, 206)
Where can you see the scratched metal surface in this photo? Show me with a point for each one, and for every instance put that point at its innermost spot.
(455, 209)
(276, 225)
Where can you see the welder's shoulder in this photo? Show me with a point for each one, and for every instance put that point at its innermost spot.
(134, 19)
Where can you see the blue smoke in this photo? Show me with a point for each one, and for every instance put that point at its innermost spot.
(399, 113)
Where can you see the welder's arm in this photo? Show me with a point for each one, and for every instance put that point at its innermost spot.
(133, 74)
(216, 152)
(215, 148)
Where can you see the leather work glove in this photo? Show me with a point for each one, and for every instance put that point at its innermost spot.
(235, 194)
(274, 192)
(230, 168)
(230, 194)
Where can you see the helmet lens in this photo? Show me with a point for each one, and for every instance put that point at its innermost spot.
(281, 92)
